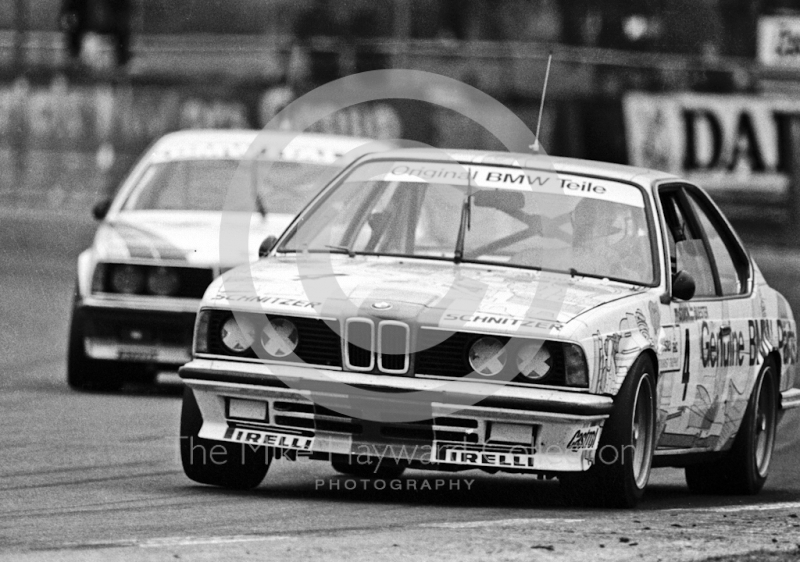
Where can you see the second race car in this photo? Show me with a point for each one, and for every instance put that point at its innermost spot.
(157, 247)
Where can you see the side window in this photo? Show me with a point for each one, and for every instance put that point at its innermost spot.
(687, 251)
(731, 276)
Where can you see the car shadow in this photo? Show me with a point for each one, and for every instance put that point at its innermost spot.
(474, 489)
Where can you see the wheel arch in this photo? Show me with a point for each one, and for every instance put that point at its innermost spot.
(648, 352)
(651, 353)
(775, 356)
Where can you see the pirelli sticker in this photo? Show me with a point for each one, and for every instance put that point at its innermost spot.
(521, 458)
(268, 438)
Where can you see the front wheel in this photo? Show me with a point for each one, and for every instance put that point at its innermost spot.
(624, 456)
(218, 463)
(743, 470)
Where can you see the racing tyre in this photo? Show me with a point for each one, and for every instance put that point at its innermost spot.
(84, 373)
(625, 453)
(218, 463)
(744, 469)
(350, 465)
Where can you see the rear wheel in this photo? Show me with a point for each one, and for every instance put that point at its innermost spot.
(625, 454)
(218, 463)
(85, 373)
(743, 470)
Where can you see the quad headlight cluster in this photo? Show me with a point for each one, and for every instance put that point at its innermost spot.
(531, 360)
(519, 360)
(239, 334)
(135, 280)
(164, 281)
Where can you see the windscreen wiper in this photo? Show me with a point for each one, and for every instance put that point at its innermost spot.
(464, 225)
(255, 178)
(347, 249)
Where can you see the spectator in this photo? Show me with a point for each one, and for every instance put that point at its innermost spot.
(318, 22)
(119, 27)
(73, 20)
(110, 17)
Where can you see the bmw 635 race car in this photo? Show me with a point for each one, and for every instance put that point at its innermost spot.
(156, 249)
(503, 312)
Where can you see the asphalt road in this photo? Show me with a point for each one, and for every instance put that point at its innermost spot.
(98, 477)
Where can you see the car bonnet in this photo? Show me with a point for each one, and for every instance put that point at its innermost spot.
(439, 293)
(180, 236)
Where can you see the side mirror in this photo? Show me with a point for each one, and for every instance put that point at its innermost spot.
(682, 286)
(266, 246)
(100, 209)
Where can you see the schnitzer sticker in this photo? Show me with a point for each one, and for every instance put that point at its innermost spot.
(499, 320)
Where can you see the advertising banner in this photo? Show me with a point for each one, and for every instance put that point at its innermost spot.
(779, 41)
(723, 143)
(67, 145)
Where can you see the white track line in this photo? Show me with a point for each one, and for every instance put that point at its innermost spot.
(496, 523)
(737, 508)
(164, 542)
(190, 541)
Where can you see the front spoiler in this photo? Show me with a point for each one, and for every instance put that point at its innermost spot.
(565, 425)
(118, 333)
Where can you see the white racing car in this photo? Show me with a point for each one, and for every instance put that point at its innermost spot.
(505, 312)
(156, 249)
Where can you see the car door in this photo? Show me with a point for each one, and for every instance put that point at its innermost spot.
(701, 244)
(725, 348)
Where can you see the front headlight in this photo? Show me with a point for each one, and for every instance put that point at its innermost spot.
(237, 335)
(487, 356)
(99, 278)
(575, 367)
(163, 281)
(534, 361)
(279, 337)
(127, 279)
(201, 331)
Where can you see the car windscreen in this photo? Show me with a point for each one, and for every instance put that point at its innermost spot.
(483, 214)
(202, 185)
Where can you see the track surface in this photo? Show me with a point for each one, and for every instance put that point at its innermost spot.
(98, 477)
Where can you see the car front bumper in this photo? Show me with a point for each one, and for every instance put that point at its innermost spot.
(136, 330)
(470, 424)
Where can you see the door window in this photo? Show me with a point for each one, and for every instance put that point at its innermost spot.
(687, 250)
(732, 276)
